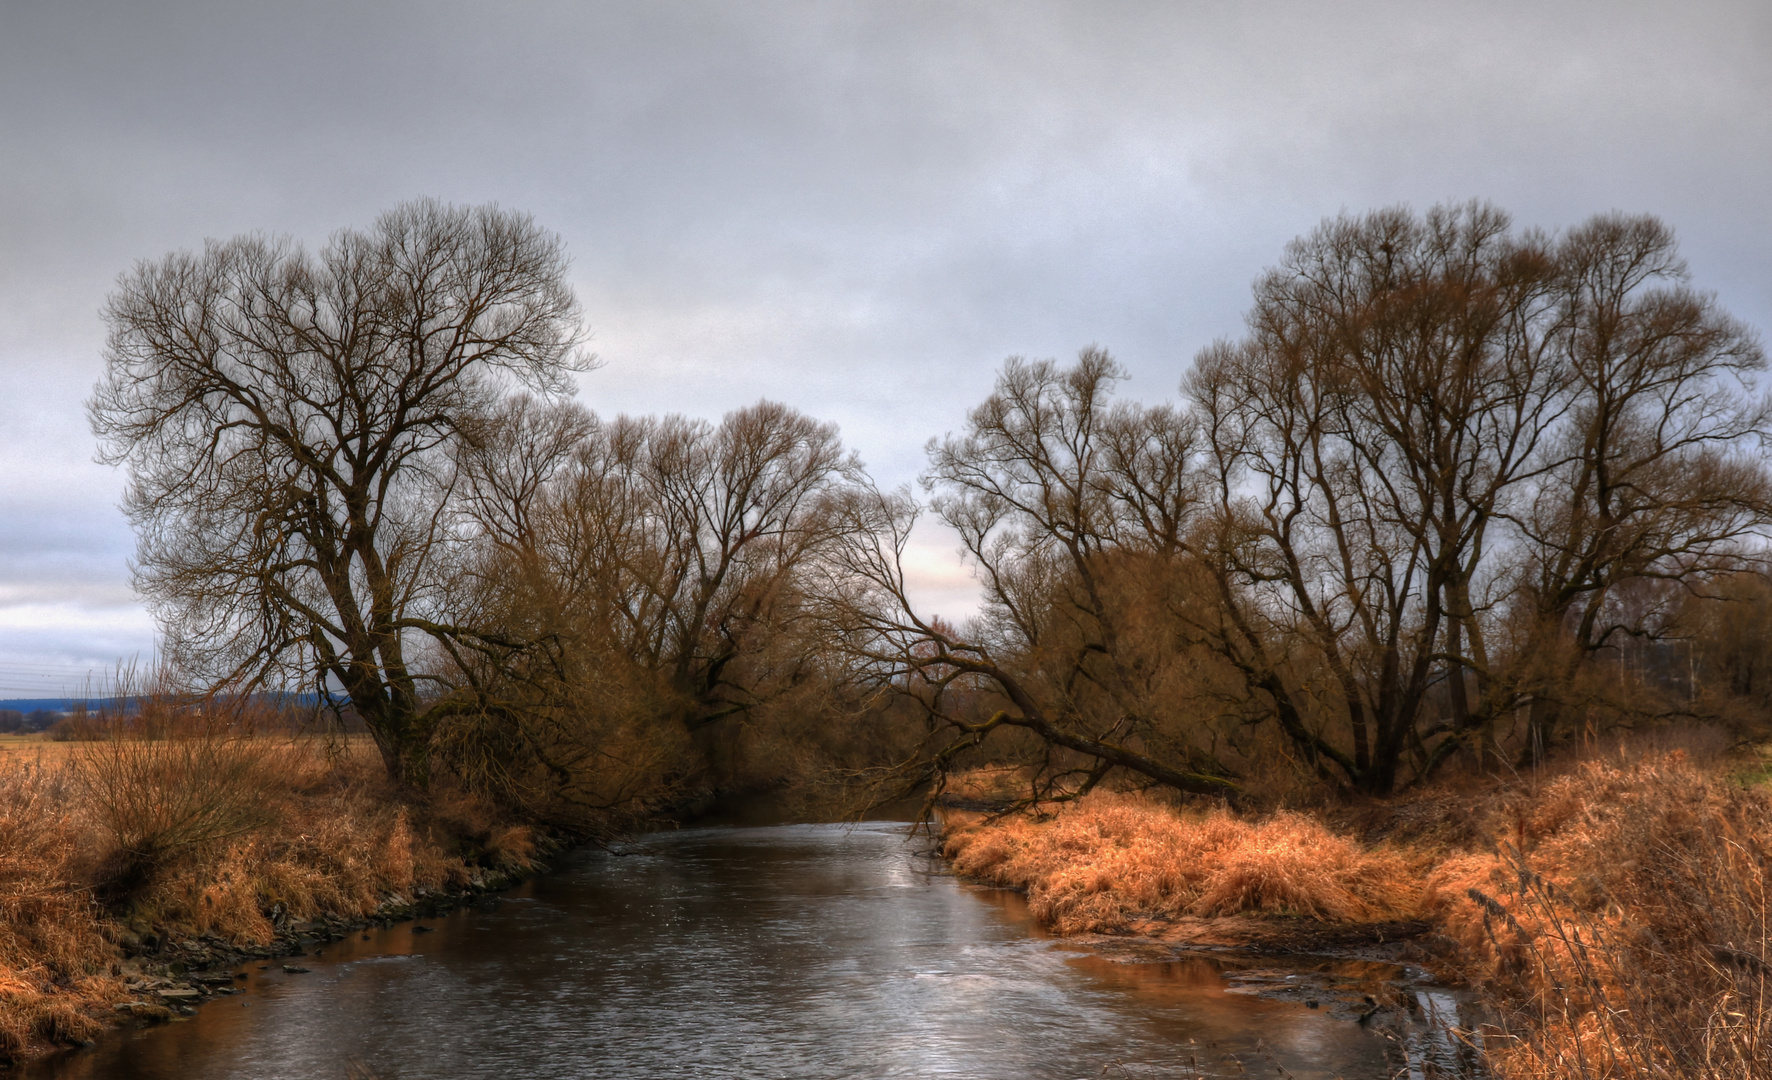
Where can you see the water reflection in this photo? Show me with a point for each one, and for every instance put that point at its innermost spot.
(793, 951)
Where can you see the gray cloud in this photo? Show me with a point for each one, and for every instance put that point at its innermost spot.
(858, 208)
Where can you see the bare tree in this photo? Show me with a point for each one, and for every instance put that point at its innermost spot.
(1442, 449)
(287, 418)
(1074, 512)
(1447, 463)
(1657, 472)
(1394, 391)
(735, 509)
(666, 557)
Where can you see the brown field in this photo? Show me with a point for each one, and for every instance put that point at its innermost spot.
(39, 744)
(33, 745)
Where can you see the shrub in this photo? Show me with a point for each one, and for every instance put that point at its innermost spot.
(162, 787)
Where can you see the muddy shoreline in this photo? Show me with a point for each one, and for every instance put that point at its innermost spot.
(1372, 974)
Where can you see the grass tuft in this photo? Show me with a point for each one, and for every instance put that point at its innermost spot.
(1111, 858)
(1622, 923)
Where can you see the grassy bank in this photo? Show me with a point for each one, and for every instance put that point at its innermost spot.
(120, 854)
(1615, 916)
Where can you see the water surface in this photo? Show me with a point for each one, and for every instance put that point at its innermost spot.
(804, 951)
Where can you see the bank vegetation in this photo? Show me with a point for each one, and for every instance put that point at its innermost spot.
(171, 832)
(1612, 914)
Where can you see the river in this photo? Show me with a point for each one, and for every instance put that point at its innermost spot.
(798, 951)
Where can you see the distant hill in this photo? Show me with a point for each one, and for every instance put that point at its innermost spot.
(64, 704)
(53, 704)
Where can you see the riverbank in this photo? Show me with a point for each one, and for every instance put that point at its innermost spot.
(807, 951)
(134, 873)
(1612, 918)
(179, 974)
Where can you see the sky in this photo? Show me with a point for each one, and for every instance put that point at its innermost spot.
(857, 208)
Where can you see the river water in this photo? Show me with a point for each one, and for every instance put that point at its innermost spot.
(798, 951)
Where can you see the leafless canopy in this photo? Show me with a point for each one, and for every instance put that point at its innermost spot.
(1447, 464)
(1441, 449)
(1073, 509)
(286, 420)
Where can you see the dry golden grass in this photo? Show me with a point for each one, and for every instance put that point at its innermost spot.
(33, 747)
(1619, 916)
(332, 839)
(989, 784)
(1623, 923)
(202, 828)
(1110, 858)
(54, 961)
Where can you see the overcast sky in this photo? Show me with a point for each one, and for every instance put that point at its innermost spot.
(857, 208)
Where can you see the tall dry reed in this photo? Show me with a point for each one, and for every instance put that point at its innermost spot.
(54, 959)
(1623, 925)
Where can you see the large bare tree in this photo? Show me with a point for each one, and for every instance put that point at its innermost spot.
(1395, 391)
(1446, 454)
(287, 420)
(1443, 450)
(677, 539)
(1074, 510)
(1657, 475)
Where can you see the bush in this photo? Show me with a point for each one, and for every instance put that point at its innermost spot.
(163, 786)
